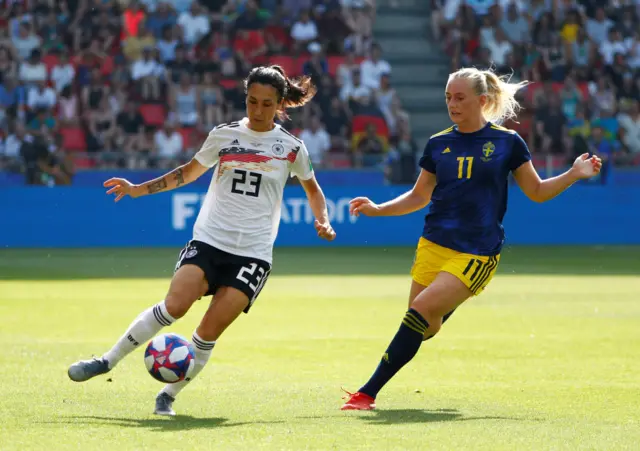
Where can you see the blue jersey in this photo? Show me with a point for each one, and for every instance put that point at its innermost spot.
(470, 197)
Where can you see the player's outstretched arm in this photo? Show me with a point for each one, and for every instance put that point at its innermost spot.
(414, 200)
(318, 205)
(539, 190)
(180, 176)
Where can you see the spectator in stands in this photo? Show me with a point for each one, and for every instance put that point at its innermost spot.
(168, 146)
(551, 128)
(374, 67)
(120, 80)
(327, 91)
(398, 119)
(63, 73)
(147, 73)
(250, 45)
(179, 65)
(68, 107)
(43, 124)
(303, 32)
(401, 166)
(571, 98)
(184, 102)
(236, 101)
(317, 141)
(26, 41)
(543, 31)
(604, 149)
(167, 44)
(161, 19)
(107, 32)
(134, 46)
(8, 66)
(356, 95)
(316, 67)
(40, 97)
(131, 19)
(212, 100)
(13, 98)
(630, 127)
(358, 15)
(515, 27)
(101, 127)
(250, 18)
(369, 149)
(129, 122)
(385, 95)
(603, 96)
(33, 71)
(336, 119)
(32, 151)
(612, 46)
(579, 125)
(344, 75)
(194, 23)
(332, 27)
(554, 59)
(93, 93)
(582, 55)
(598, 27)
(143, 149)
(500, 48)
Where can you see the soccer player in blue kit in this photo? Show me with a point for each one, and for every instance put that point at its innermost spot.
(464, 174)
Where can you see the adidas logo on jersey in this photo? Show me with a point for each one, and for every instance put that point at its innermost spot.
(447, 150)
(235, 142)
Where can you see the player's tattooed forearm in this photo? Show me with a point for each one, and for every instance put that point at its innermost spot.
(157, 186)
(179, 177)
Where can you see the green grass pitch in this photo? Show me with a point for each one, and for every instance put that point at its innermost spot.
(547, 358)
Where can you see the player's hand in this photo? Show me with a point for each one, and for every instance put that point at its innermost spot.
(586, 167)
(363, 205)
(325, 231)
(121, 188)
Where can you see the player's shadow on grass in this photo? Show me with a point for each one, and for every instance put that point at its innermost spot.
(401, 416)
(177, 423)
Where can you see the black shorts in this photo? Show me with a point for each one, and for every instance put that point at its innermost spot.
(222, 269)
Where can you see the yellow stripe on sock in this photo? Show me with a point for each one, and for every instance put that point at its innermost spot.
(412, 327)
(414, 319)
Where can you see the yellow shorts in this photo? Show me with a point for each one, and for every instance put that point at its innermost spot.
(475, 271)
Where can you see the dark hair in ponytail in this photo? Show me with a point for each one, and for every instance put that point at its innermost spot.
(295, 92)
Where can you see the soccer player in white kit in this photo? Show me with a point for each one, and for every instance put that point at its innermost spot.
(230, 254)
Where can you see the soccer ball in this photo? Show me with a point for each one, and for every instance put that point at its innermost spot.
(170, 358)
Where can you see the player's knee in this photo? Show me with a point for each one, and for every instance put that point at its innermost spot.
(433, 319)
(434, 327)
(179, 300)
(178, 304)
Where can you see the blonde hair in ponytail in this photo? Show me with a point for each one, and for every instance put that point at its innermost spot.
(501, 94)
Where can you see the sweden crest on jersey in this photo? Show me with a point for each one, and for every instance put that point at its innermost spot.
(487, 150)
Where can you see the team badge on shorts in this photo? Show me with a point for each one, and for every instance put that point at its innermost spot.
(278, 149)
(192, 253)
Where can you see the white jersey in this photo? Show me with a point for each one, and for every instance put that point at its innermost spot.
(241, 211)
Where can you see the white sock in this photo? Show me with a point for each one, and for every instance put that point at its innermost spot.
(203, 352)
(141, 330)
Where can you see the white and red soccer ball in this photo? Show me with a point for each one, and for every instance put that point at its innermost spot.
(170, 358)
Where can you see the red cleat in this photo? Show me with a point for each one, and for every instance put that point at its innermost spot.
(359, 401)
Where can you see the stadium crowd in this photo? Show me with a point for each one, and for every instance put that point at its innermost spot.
(138, 84)
(583, 58)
